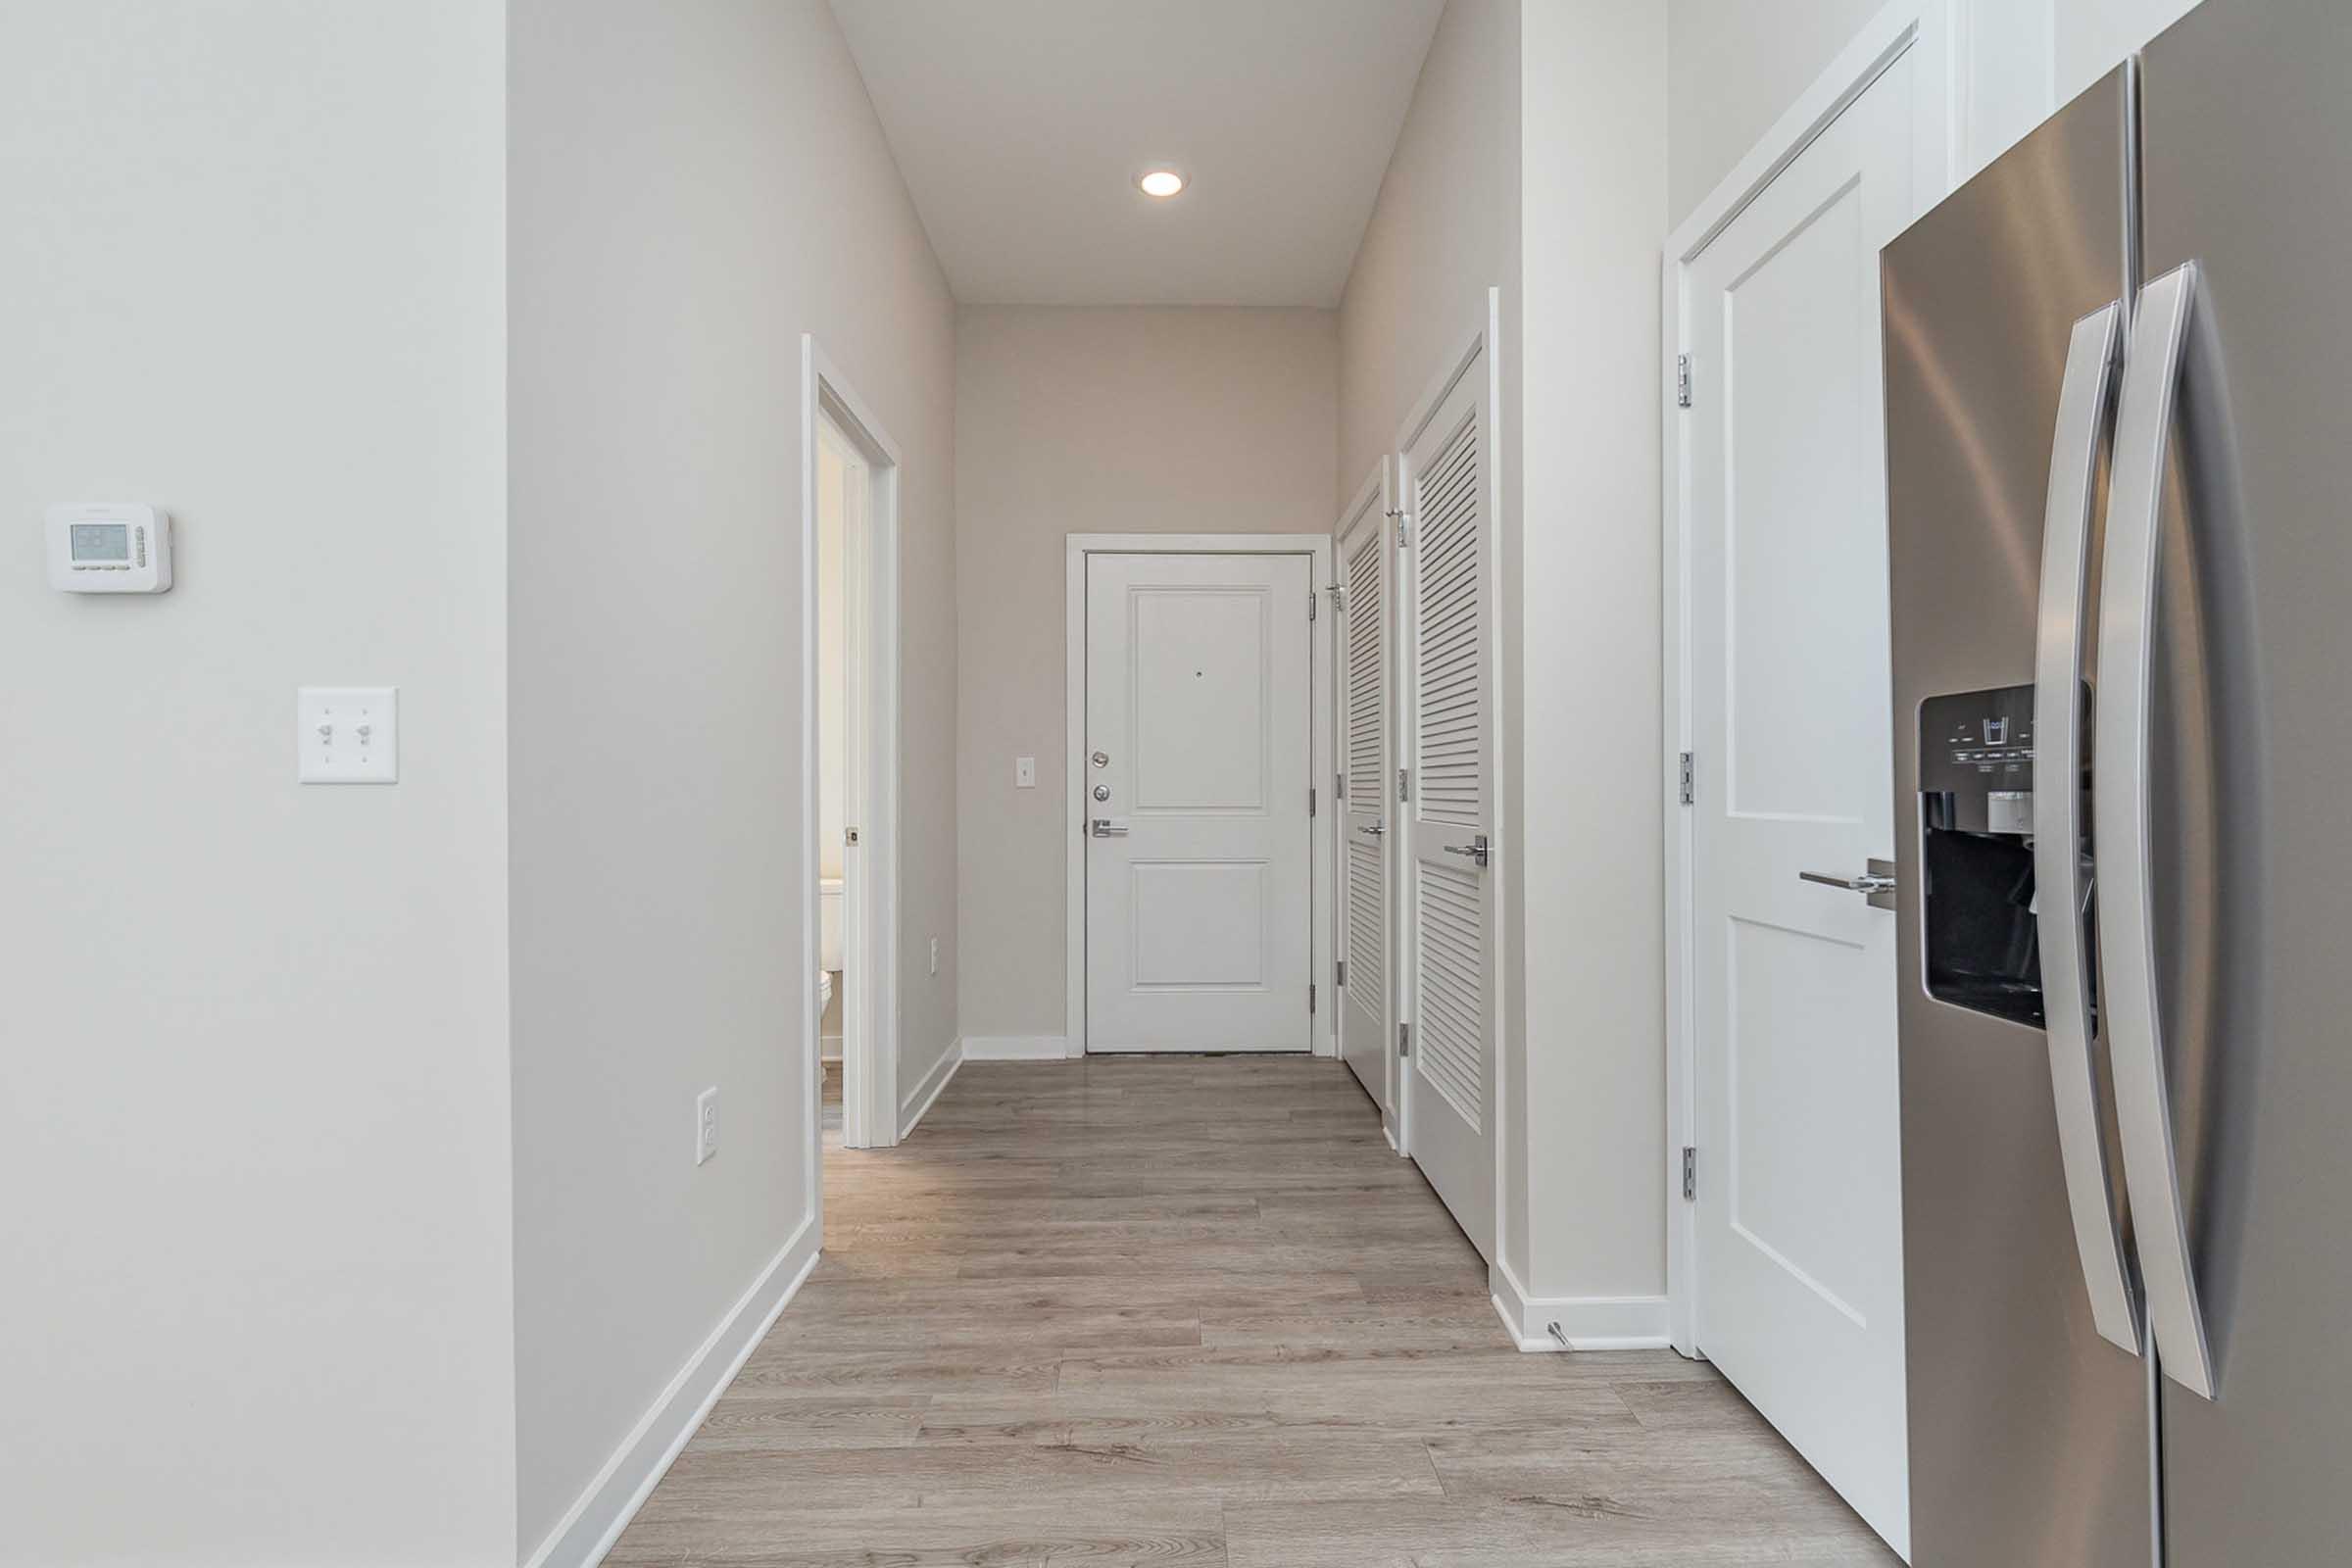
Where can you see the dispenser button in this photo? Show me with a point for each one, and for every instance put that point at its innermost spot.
(2009, 812)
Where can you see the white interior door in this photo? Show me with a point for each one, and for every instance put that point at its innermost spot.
(1449, 895)
(1800, 1218)
(1368, 913)
(1200, 854)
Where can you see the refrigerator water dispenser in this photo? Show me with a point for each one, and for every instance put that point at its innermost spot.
(1976, 782)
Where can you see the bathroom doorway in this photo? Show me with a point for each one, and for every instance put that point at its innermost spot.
(849, 642)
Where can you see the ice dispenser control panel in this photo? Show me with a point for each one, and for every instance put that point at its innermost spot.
(1975, 804)
(1977, 757)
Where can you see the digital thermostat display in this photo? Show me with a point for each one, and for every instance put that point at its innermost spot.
(100, 547)
(100, 541)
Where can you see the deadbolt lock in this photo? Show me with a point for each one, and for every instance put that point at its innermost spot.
(1102, 792)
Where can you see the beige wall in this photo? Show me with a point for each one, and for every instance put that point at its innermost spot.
(1733, 66)
(1445, 229)
(659, 875)
(253, 1067)
(1094, 420)
(1586, 1045)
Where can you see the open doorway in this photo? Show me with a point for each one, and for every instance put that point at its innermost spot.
(849, 559)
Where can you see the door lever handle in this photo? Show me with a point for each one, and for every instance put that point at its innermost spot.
(1105, 828)
(1475, 850)
(1877, 882)
(1373, 829)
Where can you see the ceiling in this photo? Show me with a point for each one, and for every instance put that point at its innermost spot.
(1021, 126)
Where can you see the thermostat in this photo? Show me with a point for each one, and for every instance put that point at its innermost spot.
(98, 548)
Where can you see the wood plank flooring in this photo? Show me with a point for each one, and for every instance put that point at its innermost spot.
(1140, 1312)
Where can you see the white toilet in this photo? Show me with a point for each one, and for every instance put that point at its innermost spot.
(828, 924)
(828, 949)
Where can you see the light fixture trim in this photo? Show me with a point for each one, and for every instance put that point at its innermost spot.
(1162, 181)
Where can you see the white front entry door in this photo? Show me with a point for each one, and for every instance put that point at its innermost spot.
(1200, 854)
(1449, 812)
(1799, 1264)
(1367, 911)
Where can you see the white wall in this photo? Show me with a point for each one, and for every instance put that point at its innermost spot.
(2095, 35)
(1733, 68)
(1586, 1043)
(1161, 420)
(253, 1072)
(694, 183)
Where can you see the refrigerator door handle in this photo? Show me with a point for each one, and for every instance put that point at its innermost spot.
(2152, 372)
(2084, 401)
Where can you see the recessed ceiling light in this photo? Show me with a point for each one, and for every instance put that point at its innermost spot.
(1161, 182)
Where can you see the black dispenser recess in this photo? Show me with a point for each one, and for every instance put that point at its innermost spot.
(1976, 785)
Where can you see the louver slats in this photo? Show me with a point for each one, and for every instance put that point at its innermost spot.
(1367, 898)
(1450, 631)
(1453, 988)
(1364, 717)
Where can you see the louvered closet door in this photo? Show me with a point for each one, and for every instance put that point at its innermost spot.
(1450, 1070)
(1368, 1005)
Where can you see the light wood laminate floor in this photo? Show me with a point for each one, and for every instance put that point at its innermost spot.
(1193, 1310)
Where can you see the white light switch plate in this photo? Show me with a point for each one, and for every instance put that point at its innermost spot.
(1024, 772)
(347, 734)
(706, 1125)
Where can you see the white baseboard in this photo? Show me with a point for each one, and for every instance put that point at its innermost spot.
(1015, 1047)
(920, 1099)
(596, 1519)
(1585, 1322)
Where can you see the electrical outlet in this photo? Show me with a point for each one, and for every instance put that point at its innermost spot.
(1024, 772)
(935, 955)
(706, 1126)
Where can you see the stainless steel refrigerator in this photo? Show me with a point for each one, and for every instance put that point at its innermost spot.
(2118, 417)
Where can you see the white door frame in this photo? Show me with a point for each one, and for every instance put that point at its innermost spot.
(1484, 338)
(1931, 29)
(870, 1044)
(1323, 875)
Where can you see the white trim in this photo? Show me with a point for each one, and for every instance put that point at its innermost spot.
(870, 910)
(1323, 1035)
(1928, 28)
(1585, 1322)
(924, 1094)
(1015, 1047)
(603, 1509)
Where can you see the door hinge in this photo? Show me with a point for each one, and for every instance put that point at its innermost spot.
(1339, 975)
(1404, 783)
(1315, 602)
(1405, 1040)
(1681, 380)
(1310, 799)
(1311, 998)
(1690, 780)
(1690, 1174)
(1338, 786)
(1404, 529)
(1339, 596)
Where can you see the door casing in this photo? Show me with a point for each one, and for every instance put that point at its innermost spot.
(1323, 874)
(871, 1112)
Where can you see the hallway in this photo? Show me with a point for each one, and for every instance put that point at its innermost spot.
(1193, 1310)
